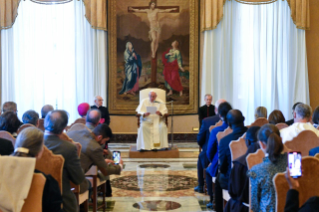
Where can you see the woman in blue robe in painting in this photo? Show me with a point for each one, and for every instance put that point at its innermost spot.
(133, 67)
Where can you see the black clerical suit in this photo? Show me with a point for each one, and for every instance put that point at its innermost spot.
(204, 112)
(104, 114)
(224, 166)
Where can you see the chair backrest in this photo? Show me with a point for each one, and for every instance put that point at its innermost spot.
(308, 183)
(79, 126)
(51, 164)
(23, 126)
(221, 135)
(317, 155)
(80, 120)
(237, 148)
(305, 141)
(255, 158)
(8, 136)
(33, 202)
(281, 125)
(218, 124)
(161, 94)
(41, 124)
(259, 122)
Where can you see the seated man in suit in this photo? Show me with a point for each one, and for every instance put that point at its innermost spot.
(31, 117)
(92, 152)
(206, 110)
(152, 133)
(10, 122)
(212, 150)
(202, 140)
(93, 118)
(235, 121)
(54, 124)
(291, 121)
(45, 110)
(302, 115)
(105, 116)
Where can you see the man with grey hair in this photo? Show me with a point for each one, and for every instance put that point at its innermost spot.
(207, 110)
(152, 133)
(45, 110)
(9, 106)
(302, 115)
(105, 116)
(31, 117)
(93, 118)
(54, 124)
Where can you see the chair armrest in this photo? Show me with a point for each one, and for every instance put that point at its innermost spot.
(92, 171)
(166, 118)
(138, 120)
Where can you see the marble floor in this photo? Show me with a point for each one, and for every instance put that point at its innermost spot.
(156, 185)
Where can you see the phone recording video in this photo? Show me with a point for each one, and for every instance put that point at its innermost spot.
(116, 157)
(294, 164)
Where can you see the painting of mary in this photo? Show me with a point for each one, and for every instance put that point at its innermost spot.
(133, 68)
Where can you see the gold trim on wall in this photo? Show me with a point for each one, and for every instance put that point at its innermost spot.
(129, 109)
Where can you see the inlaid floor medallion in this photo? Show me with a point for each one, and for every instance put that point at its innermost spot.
(154, 182)
(157, 205)
(154, 166)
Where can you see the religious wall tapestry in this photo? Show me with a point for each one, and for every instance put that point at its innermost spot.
(153, 44)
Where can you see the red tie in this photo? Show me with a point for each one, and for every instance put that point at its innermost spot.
(207, 111)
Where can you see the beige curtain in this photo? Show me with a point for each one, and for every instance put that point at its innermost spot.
(212, 12)
(96, 14)
(8, 13)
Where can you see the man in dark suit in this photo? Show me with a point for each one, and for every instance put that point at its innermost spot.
(235, 121)
(105, 116)
(54, 124)
(6, 147)
(202, 140)
(207, 110)
(291, 121)
(92, 152)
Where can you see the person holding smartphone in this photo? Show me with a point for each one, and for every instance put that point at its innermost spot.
(292, 199)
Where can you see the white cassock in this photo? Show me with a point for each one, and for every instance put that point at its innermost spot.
(152, 133)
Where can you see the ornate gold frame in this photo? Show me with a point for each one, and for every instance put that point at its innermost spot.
(121, 109)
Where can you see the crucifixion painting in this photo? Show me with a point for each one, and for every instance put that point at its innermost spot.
(152, 12)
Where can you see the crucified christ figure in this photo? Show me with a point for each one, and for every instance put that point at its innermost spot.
(155, 28)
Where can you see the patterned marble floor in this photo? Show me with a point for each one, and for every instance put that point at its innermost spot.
(155, 185)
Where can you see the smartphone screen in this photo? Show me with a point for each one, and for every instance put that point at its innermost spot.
(116, 157)
(294, 163)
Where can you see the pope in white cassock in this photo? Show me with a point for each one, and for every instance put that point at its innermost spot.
(152, 133)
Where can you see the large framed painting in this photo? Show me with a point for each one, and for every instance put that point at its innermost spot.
(153, 44)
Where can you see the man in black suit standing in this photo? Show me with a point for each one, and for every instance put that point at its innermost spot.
(202, 140)
(207, 110)
(54, 124)
(105, 116)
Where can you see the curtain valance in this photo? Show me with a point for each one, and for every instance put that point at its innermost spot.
(96, 13)
(213, 12)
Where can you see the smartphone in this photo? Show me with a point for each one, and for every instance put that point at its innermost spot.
(294, 164)
(116, 157)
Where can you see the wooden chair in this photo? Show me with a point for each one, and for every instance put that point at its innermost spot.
(41, 124)
(33, 202)
(259, 122)
(309, 185)
(92, 176)
(81, 198)
(51, 164)
(79, 126)
(8, 136)
(221, 135)
(317, 155)
(281, 125)
(252, 160)
(77, 121)
(23, 126)
(65, 137)
(305, 141)
(237, 148)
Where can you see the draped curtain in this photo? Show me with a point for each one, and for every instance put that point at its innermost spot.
(256, 57)
(51, 55)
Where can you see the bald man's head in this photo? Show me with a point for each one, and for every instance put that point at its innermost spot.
(56, 121)
(45, 110)
(98, 101)
(217, 103)
(93, 116)
(235, 118)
